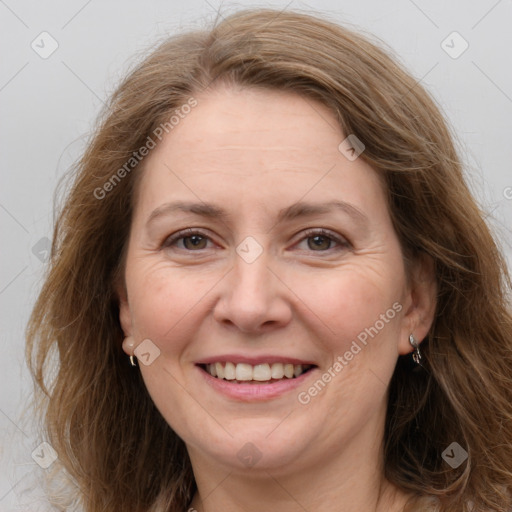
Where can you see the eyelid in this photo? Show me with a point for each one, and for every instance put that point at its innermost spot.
(184, 233)
(342, 240)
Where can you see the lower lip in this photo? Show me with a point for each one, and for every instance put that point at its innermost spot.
(255, 392)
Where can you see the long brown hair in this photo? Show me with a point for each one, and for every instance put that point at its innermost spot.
(110, 438)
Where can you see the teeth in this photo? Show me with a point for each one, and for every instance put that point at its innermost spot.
(219, 370)
(242, 372)
(260, 372)
(277, 371)
(229, 371)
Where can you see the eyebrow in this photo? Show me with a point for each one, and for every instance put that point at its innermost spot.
(296, 210)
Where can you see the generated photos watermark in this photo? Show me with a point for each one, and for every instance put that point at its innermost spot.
(454, 455)
(304, 397)
(44, 455)
(137, 156)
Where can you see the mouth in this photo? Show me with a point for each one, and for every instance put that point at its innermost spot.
(264, 373)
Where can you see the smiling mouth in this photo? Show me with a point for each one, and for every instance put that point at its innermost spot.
(243, 373)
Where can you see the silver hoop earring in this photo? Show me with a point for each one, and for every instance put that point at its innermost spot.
(129, 347)
(416, 355)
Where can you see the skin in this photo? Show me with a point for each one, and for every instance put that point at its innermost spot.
(295, 299)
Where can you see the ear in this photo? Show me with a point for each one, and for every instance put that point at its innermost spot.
(419, 304)
(125, 318)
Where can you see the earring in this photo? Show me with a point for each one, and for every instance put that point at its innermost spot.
(416, 356)
(129, 347)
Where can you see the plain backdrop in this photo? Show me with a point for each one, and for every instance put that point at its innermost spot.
(49, 102)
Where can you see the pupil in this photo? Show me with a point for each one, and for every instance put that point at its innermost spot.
(317, 241)
(195, 240)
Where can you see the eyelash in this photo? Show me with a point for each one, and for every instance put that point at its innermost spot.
(310, 233)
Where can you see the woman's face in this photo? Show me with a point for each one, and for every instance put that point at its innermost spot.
(258, 246)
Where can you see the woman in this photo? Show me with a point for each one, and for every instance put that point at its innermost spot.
(338, 340)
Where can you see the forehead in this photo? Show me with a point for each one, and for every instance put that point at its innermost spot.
(246, 121)
(272, 147)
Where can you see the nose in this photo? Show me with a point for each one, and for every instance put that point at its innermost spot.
(253, 298)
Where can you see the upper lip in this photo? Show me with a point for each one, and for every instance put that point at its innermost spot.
(254, 360)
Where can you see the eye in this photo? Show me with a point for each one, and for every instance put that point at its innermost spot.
(191, 240)
(318, 240)
(321, 240)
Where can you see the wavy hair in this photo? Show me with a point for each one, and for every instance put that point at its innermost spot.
(111, 440)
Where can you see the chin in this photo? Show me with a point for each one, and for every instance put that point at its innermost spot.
(258, 444)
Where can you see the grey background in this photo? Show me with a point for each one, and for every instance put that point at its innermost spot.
(48, 107)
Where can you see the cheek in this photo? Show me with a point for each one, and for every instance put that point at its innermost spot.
(168, 304)
(163, 302)
(350, 299)
(361, 310)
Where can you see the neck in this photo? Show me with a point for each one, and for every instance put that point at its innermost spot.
(232, 492)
